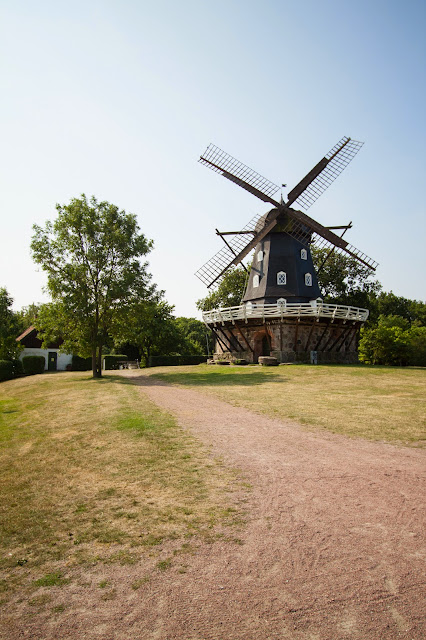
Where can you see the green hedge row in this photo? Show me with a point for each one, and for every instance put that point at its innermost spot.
(171, 361)
(10, 369)
(111, 361)
(6, 370)
(33, 364)
(81, 364)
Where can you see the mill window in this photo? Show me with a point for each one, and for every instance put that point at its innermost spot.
(303, 254)
(281, 302)
(255, 280)
(281, 277)
(308, 279)
(259, 256)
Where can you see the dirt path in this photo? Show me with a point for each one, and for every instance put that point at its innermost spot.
(332, 549)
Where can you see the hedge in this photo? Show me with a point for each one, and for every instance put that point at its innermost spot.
(17, 368)
(81, 364)
(172, 361)
(111, 361)
(6, 370)
(33, 364)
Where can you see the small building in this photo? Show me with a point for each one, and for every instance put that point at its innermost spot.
(54, 360)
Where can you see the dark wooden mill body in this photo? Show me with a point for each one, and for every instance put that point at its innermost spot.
(281, 312)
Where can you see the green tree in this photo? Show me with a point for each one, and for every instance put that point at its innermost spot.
(418, 346)
(344, 280)
(229, 292)
(388, 343)
(10, 328)
(412, 310)
(150, 325)
(91, 254)
(27, 316)
(196, 339)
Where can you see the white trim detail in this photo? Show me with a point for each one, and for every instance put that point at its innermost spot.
(256, 280)
(259, 256)
(281, 277)
(290, 310)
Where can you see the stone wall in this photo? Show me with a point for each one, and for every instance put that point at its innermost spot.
(289, 340)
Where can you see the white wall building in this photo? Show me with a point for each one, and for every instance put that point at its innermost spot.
(54, 360)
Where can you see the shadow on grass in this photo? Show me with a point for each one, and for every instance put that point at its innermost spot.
(216, 378)
(106, 379)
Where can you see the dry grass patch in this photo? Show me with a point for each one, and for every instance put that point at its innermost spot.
(93, 473)
(378, 403)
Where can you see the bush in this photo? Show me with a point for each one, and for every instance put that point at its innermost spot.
(6, 370)
(173, 361)
(81, 364)
(418, 346)
(33, 364)
(111, 361)
(17, 368)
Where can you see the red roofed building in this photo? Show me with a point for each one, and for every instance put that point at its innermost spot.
(54, 360)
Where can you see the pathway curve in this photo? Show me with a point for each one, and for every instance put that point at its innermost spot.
(332, 549)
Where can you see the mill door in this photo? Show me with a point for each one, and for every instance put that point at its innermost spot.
(52, 359)
(266, 347)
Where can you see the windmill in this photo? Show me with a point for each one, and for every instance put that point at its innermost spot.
(282, 274)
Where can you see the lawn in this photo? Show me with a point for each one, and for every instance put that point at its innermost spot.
(377, 403)
(92, 473)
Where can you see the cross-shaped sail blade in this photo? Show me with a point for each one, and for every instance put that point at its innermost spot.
(323, 174)
(214, 268)
(231, 168)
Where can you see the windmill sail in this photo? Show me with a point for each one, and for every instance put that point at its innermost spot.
(323, 174)
(214, 268)
(221, 162)
(299, 225)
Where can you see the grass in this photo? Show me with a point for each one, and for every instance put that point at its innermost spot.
(377, 403)
(92, 473)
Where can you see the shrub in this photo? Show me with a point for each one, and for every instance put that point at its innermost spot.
(418, 346)
(170, 361)
(81, 364)
(6, 370)
(17, 368)
(112, 361)
(33, 364)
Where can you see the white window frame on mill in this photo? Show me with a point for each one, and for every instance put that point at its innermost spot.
(308, 279)
(256, 280)
(259, 256)
(303, 254)
(281, 278)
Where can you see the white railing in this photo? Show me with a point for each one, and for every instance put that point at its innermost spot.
(288, 310)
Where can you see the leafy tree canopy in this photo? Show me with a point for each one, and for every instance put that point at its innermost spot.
(27, 316)
(91, 254)
(229, 292)
(343, 279)
(10, 328)
(150, 326)
(196, 338)
(393, 342)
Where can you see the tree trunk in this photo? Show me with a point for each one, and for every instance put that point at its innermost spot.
(100, 361)
(94, 368)
(97, 362)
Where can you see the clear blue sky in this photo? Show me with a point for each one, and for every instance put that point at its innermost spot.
(118, 100)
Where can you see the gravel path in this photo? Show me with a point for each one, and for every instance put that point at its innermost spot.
(332, 549)
(333, 546)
